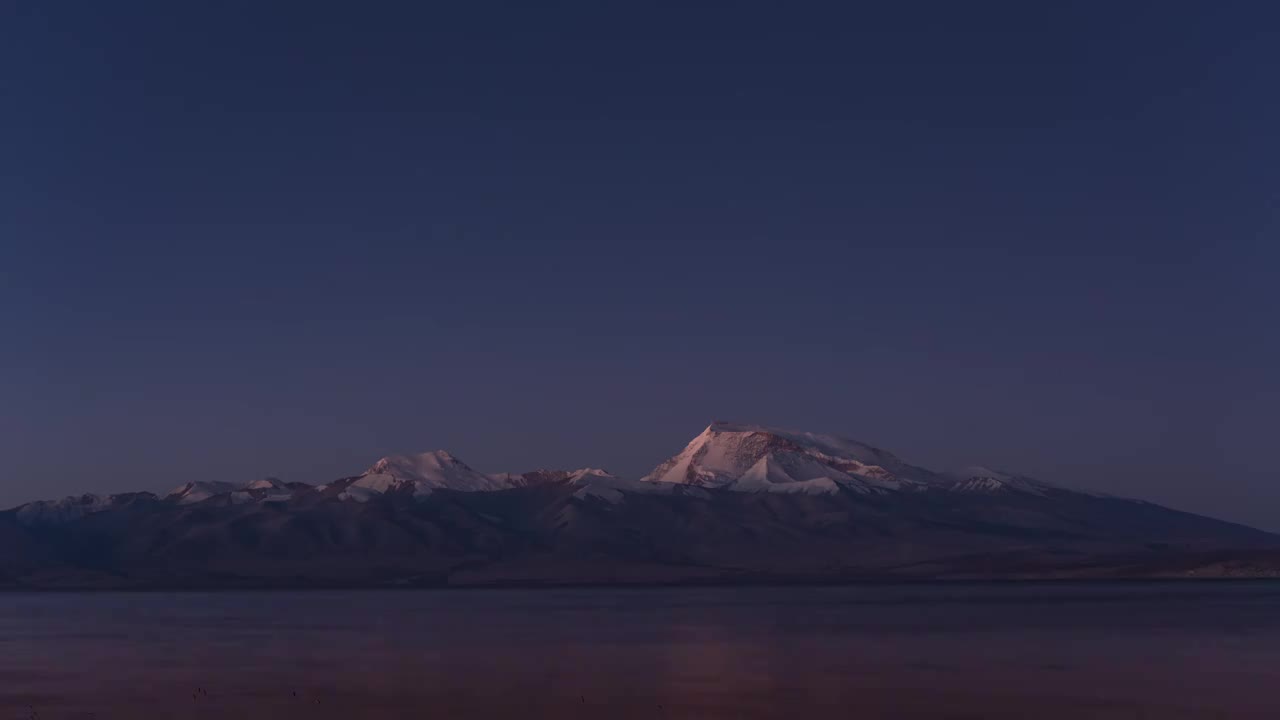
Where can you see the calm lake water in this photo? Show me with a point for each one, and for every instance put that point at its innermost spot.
(1142, 650)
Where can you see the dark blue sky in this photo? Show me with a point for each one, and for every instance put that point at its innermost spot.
(240, 239)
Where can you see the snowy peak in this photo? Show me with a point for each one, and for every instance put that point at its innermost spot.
(194, 492)
(755, 458)
(422, 465)
(589, 474)
(267, 490)
(718, 456)
(419, 475)
(264, 490)
(267, 484)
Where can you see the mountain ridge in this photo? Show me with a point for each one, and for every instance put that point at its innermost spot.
(775, 458)
(738, 502)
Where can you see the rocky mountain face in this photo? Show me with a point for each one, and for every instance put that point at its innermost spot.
(739, 503)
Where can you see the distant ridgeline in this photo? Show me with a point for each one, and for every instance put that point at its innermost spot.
(740, 503)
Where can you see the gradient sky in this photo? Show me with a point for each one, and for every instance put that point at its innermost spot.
(247, 238)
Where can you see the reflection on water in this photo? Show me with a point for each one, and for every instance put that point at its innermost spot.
(1047, 650)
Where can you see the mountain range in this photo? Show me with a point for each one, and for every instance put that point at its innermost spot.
(740, 503)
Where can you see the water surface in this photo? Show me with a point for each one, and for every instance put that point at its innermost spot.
(1093, 650)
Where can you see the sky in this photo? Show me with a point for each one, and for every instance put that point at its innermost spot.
(241, 239)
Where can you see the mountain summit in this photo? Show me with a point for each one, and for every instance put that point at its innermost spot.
(755, 458)
(419, 475)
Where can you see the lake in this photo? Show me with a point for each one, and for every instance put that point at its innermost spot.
(1086, 650)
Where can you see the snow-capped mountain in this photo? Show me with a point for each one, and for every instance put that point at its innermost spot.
(725, 456)
(194, 492)
(419, 475)
(740, 501)
(64, 510)
(754, 458)
(264, 490)
(268, 490)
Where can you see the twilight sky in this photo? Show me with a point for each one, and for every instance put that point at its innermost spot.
(239, 240)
